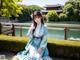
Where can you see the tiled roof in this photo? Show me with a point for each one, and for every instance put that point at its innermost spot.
(52, 6)
(48, 10)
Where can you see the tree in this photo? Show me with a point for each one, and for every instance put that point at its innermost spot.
(52, 15)
(9, 8)
(68, 9)
(72, 9)
(27, 11)
(33, 8)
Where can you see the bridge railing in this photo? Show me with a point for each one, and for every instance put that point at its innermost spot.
(21, 26)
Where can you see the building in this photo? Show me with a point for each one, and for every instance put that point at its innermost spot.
(52, 7)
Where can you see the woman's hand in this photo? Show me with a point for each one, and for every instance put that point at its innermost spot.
(39, 50)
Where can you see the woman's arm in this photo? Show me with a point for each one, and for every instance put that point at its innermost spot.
(29, 34)
(44, 40)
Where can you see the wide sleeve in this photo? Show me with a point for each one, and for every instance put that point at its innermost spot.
(44, 39)
(30, 38)
(29, 33)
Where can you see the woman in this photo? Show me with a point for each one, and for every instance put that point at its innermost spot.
(36, 49)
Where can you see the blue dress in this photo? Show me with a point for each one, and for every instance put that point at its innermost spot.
(36, 40)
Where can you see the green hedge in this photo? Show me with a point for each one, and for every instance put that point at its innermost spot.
(12, 43)
(64, 48)
(57, 47)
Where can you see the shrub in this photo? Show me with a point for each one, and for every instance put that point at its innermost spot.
(12, 43)
(52, 15)
(62, 17)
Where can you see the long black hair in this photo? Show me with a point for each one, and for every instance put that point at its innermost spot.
(37, 13)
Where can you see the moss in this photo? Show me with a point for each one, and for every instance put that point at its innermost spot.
(12, 43)
(73, 43)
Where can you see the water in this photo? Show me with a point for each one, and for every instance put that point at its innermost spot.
(53, 33)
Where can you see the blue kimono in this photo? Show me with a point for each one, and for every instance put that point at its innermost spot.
(36, 40)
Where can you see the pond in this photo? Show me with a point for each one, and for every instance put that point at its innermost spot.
(53, 33)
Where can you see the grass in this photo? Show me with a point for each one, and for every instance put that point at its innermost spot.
(50, 40)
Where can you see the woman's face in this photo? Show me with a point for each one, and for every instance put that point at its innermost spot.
(37, 19)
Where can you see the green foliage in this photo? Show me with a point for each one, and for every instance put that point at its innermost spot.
(25, 16)
(27, 11)
(12, 43)
(52, 15)
(62, 17)
(9, 8)
(33, 8)
(68, 9)
(72, 9)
